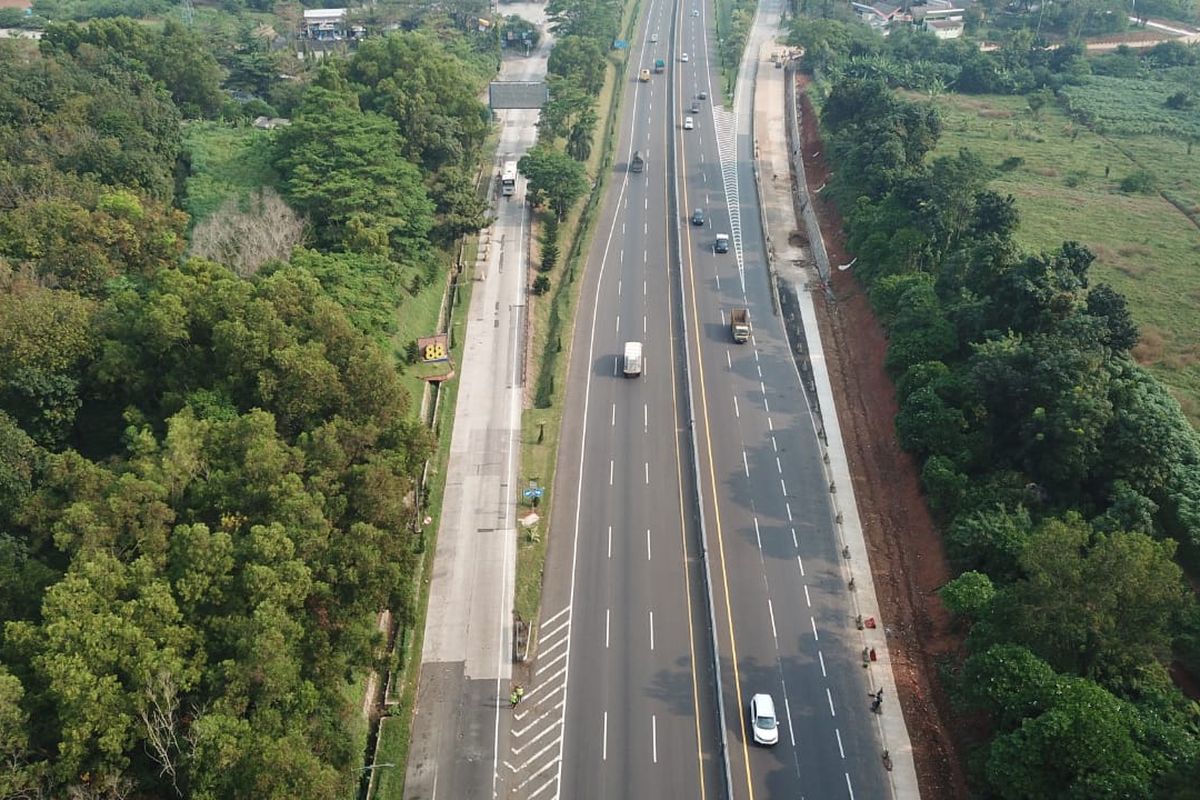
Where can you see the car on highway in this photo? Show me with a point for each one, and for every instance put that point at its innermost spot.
(698, 216)
(695, 106)
(703, 95)
(684, 58)
(654, 38)
(695, 12)
(688, 123)
(763, 722)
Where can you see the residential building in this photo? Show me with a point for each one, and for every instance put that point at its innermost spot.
(329, 25)
(878, 15)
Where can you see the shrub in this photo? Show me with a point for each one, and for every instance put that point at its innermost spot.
(1139, 182)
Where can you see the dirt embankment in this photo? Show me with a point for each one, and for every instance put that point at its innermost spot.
(907, 557)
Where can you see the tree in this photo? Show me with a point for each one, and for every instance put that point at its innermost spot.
(969, 595)
(581, 60)
(1099, 606)
(266, 230)
(344, 169)
(430, 94)
(554, 178)
(1083, 748)
(1106, 304)
(990, 540)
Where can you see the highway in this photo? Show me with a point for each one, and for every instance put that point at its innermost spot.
(785, 619)
(622, 698)
(623, 702)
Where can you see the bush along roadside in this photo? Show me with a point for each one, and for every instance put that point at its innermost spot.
(1066, 478)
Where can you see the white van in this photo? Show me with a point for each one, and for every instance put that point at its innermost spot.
(633, 359)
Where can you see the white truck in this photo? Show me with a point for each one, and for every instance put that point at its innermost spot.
(632, 361)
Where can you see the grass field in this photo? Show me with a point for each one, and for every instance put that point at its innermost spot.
(1066, 187)
(227, 162)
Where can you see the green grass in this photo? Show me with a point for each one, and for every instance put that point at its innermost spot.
(226, 162)
(1145, 247)
(357, 727)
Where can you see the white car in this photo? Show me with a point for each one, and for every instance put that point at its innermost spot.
(762, 719)
(695, 12)
(688, 123)
(683, 58)
(654, 38)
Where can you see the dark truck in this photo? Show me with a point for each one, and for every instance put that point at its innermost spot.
(637, 162)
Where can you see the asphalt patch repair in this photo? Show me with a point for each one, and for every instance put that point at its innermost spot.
(908, 559)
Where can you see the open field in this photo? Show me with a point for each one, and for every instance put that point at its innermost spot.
(1066, 187)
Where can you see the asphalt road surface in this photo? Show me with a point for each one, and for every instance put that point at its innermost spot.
(785, 623)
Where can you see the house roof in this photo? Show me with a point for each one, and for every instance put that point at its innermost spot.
(319, 14)
(945, 24)
(21, 4)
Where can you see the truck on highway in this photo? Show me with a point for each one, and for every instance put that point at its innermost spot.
(722, 243)
(632, 361)
(644, 75)
(637, 162)
(659, 65)
(739, 324)
(508, 179)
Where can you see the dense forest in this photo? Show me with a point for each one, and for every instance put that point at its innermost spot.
(207, 465)
(1066, 478)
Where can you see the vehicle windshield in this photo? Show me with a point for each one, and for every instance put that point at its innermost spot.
(766, 723)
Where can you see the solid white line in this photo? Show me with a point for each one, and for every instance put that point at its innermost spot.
(610, 541)
(737, 412)
(651, 630)
(745, 463)
(611, 466)
(813, 620)
(787, 709)
(647, 544)
(654, 735)
(543, 787)
(807, 599)
(604, 752)
(829, 696)
(607, 614)
(841, 749)
(821, 657)
(774, 633)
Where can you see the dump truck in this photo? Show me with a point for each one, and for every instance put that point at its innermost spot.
(659, 65)
(739, 324)
(637, 162)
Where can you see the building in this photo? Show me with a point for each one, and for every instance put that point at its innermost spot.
(329, 25)
(939, 17)
(879, 16)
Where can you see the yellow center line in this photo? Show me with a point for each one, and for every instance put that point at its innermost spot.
(687, 255)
